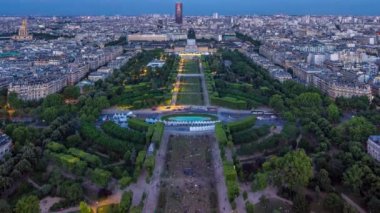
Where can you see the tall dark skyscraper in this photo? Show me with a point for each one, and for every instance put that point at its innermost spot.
(178, 12)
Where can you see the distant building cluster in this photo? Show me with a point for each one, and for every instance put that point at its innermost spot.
(338, 54)
(50, 74)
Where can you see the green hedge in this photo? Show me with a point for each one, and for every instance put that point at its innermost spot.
(158, 133)
(100, 177)
(92, 159)
(230, 176)
(250, 135)
(241, 125)
(90, 133)
(68, 162)
(138, 125)
(122, 133)
(229, 102)
(149, 164)
(221, 134)
(56, 147)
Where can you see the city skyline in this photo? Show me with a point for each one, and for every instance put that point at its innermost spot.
(197, 7)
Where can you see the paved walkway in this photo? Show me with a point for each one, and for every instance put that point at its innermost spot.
(224, 203)
(48, 202)
(190, 75)
(352, 203)
(204, 85)
(254, 197)
(154, 186)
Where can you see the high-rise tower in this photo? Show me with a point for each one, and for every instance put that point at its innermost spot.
(178, 13)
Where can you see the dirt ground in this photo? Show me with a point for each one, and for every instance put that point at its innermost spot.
(188, 183)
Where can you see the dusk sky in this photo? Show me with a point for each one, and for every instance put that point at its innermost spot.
(191, 7)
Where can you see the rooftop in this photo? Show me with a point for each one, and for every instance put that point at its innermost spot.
(4, 139)
(375, 139)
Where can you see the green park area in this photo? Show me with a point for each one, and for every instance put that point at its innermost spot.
(191, 66)
(315, 159)
(190, 91)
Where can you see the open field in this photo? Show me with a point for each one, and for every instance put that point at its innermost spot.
(190, 99)
(191, 67)
(190, 84)
(190, 92)
(188, 183)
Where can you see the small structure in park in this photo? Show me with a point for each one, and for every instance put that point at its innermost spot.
(156, 63)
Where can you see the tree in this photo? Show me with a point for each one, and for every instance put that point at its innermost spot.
(28, 204)
(353, 177)
(5, 207)
(71, 92)
(100, 177)
(333, 203)
(347, 208)
(20, 134)
(323, 180)
(309, 100)
(356, 129)
(277, 103)
(249, 207)
(84, 208)
(126, 201)
(292, 171)
(14, 101)
(300, 204)
(49, 114)
(53, 100)
(333, 113)
(260, 181)
(374, 204)
(74, 191)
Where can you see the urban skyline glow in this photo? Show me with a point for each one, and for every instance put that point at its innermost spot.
(192, 7)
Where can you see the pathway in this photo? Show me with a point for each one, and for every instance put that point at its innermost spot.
(154, 186)
(48, 202)
(254, 197)
(224, 203)
(204, 85)
(352, 203)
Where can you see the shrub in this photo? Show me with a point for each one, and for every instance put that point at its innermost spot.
(92, 159)
(100, 177)
(125, 181)
(55, 147)
(231, 180)
(249, 207)
(138, 125)
(221, 134)
(158, 133)
(241, 125)
(122, 133)
(126, 201)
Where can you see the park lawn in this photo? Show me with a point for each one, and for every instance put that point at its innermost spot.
(190, 99)
(190, 84)
(191, 67)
